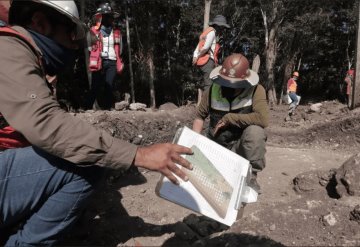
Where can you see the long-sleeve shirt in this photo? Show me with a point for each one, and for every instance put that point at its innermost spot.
(259, 115)
(210, 43)
(28, 106)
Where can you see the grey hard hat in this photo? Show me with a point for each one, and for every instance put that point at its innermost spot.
(106, 9)
(219, 20)
(68, 9)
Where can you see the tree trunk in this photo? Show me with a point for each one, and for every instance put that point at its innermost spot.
(150, 62)
(256, 64)
(271, 53)
(207, 13)
(355, 102)
(167, 43)
(130, 56)
(82, 10)
(289, 67)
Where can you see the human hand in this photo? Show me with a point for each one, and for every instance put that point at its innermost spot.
(221, 124)
(163, 158)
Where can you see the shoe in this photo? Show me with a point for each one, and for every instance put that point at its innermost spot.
(254, 185)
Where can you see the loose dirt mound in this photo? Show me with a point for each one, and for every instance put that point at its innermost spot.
(334, 127)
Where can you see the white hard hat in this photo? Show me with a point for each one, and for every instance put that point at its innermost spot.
(67, 8)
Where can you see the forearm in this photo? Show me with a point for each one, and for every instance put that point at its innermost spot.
(28, 107)
(244, 120)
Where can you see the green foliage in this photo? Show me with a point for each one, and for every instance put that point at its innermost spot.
(319, 35)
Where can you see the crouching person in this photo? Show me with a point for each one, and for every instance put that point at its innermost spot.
(238, 110)
(50, 161)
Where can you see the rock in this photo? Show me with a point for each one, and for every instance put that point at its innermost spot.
(329, 219)
(355, 214)
(348, 177)
(272, 227)
(168, 107)
(184, 232)
(120, 106)
(147, 241)
(315, 107)
(192, 220)
(308, 182)
(137, 140)
(137, 107)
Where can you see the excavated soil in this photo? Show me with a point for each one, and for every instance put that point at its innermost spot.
(308, 199)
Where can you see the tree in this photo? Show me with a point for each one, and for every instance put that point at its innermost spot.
(207, 13)
(272, 14)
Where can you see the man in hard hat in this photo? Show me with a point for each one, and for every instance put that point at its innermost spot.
(291, 90)
(50, 161)
(207, 50)
(105, 56)
(238, 110)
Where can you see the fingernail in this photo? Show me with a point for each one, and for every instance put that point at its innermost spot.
(186, 178)
(191, 167)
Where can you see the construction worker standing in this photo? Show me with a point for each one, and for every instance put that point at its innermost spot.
(105, 56)
(50, 161)
(291, 91)
(238, 111)
(349, 80)
(206, 52)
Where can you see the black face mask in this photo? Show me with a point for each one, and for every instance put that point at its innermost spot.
(56, 57)
(227, 92)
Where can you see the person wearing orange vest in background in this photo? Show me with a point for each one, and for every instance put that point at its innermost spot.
(50, 160)
(349, 80)
(105, 56)
(206, 53)
(291, 90)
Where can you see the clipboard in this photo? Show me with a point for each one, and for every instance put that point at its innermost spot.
(220, 189)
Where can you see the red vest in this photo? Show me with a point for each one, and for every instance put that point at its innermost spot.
(9, 137)
(95, 53)
(205, 58)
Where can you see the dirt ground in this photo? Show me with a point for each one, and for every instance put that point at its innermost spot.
(299, 206)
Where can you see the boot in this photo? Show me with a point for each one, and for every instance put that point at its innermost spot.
(254, 184)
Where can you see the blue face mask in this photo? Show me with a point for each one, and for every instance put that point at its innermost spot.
(56, 57)
(105, 31)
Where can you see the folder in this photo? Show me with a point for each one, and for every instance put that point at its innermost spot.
(217, 186)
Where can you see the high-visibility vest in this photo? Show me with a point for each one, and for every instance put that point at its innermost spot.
(95, 52)
(292, 85)
(220, 106)
(9, 137)
(205, 58)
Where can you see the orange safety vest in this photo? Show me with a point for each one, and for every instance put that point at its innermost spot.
(9, 137)
(4, 10)
(292, 85)
(95, 53)
(205, 58)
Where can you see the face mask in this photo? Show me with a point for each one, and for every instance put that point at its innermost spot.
(227, 92)
(106, 31)
(55, 56)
